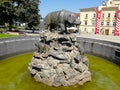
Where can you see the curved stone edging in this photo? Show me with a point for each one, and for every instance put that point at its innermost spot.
(14, 46)
(105, 49)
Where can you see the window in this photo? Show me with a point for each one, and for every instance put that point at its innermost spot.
(86, 15)
(108, 23)
(112, 31)
(103, 15)
(85, 22)
(94, 15)
(115, 15)
(102, 23)
(85, 29)
(114, 23)
(93, 23)
(108, 15)
(110, 2)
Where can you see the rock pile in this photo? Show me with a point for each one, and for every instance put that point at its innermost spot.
(59, 61)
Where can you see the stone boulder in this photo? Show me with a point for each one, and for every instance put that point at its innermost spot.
(59, 61)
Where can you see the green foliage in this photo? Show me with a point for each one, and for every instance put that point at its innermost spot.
(1, 30)
(7, 14)
(28, 11)
(34, 19)
(24, 11)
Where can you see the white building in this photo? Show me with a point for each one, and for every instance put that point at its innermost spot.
(108, 18)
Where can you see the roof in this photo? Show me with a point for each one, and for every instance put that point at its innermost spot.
(78, 14)
(95, 9)
(88, 9)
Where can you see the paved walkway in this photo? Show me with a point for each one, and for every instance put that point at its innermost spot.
(91, 36)
(101, 37)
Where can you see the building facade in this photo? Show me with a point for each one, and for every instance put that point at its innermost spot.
(88, 18)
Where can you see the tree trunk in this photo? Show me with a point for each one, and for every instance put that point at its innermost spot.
(33, 31)
(10, 25)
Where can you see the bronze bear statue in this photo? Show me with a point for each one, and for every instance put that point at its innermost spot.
(60, 20)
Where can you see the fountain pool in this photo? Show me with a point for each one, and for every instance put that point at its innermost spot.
(14, 75)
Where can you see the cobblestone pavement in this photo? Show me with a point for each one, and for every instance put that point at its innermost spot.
(101, 37)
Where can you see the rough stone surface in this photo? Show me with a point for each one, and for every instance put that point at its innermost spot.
(59, 61)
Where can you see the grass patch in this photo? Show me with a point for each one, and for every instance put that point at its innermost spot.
(14, 75)
(7, 35)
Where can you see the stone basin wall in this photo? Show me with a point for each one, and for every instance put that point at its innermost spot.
(102, 48)
(14, 46)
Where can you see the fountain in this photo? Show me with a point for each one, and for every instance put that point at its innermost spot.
(60, 60)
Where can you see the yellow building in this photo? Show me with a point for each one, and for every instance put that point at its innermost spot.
(108, 18)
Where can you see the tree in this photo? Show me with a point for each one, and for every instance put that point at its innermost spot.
(28, 11)
(33, 17)
(20, 10)
(7, 14)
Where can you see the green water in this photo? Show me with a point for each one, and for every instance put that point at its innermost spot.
(14, 75)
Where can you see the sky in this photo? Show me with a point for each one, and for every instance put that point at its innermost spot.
(47, 6)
